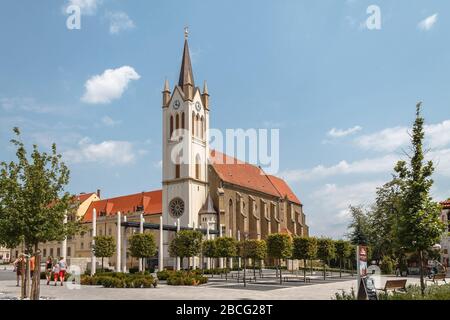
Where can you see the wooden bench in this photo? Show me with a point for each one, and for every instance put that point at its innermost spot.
(438, 277)
(394, 285)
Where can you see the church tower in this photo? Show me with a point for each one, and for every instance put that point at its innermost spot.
(185, 116)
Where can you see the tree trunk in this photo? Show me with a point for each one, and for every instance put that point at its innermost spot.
(35, 287)
(324, 271)
(279, 265)
(23, 270)
(226, 269)
(103, 270)
(422, 282)
(340, 267)
(304, 270)
(311, 265)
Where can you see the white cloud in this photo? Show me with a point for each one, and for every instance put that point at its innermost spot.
(327, 207)
(107, 152)
(365, 166)
(428, 22)
(388, 139)
(441, 160)
(109, 86)
(339, 133)
(87, 7)
(119, 21)
(109, 122)
(391, 139)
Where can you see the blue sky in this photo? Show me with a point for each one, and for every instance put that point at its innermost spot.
(306, 67)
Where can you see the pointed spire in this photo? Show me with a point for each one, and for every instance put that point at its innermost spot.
(205, 88)
(186, 75)
(208, 206)
(166, 86)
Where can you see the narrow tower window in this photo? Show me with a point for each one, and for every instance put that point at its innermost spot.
(193, 124)
(171, 127)
(197, 121)
(202, 130)
(182, 121)
(177, 121)
(197, 168)
(177, 171)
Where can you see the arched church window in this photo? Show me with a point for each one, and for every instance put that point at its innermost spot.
(177, 121)
(182, 121)
(197, 129)
(177, 170)
(193, 124)
(197, 168)
(171, 127)
(202, 130)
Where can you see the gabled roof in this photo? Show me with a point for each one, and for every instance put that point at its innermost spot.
(82, 197)
(237, 172)
(150, 202)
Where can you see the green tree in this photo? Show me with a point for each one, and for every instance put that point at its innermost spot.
(253, 249)
(343, 251)
(33, 202)
(186, 244)
(279, 246)
(209, 249)
(359, 227)
(226, 248)
(419, 224)
(384, 221)
(325, 252)
(305, 248)
(142, 246)
(104, 247)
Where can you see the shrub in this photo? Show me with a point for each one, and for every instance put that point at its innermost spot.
(387, 265)
(120, 280)
(164, 274)
(433, 292)
(345, 296)
(185, 278)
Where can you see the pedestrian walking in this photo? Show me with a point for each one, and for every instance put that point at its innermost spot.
(48, 269)
(56, 273)
(62, 270)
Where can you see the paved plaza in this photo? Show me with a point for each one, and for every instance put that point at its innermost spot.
(215, 289)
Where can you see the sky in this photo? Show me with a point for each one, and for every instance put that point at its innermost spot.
(342, 93)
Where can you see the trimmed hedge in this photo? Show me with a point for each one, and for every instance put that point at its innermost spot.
(120, 280)
(182, 278)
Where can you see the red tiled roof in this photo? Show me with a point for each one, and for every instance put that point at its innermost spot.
(150, 201)
(446, 204)
(243, 174)
(284, 189)
(240, 173)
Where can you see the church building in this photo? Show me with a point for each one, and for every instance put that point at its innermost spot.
(208, 189)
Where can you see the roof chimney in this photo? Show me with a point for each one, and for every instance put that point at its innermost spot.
(98, 193)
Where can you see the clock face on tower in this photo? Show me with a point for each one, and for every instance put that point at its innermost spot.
(176, 208)
(198, 107)
(176, 104)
